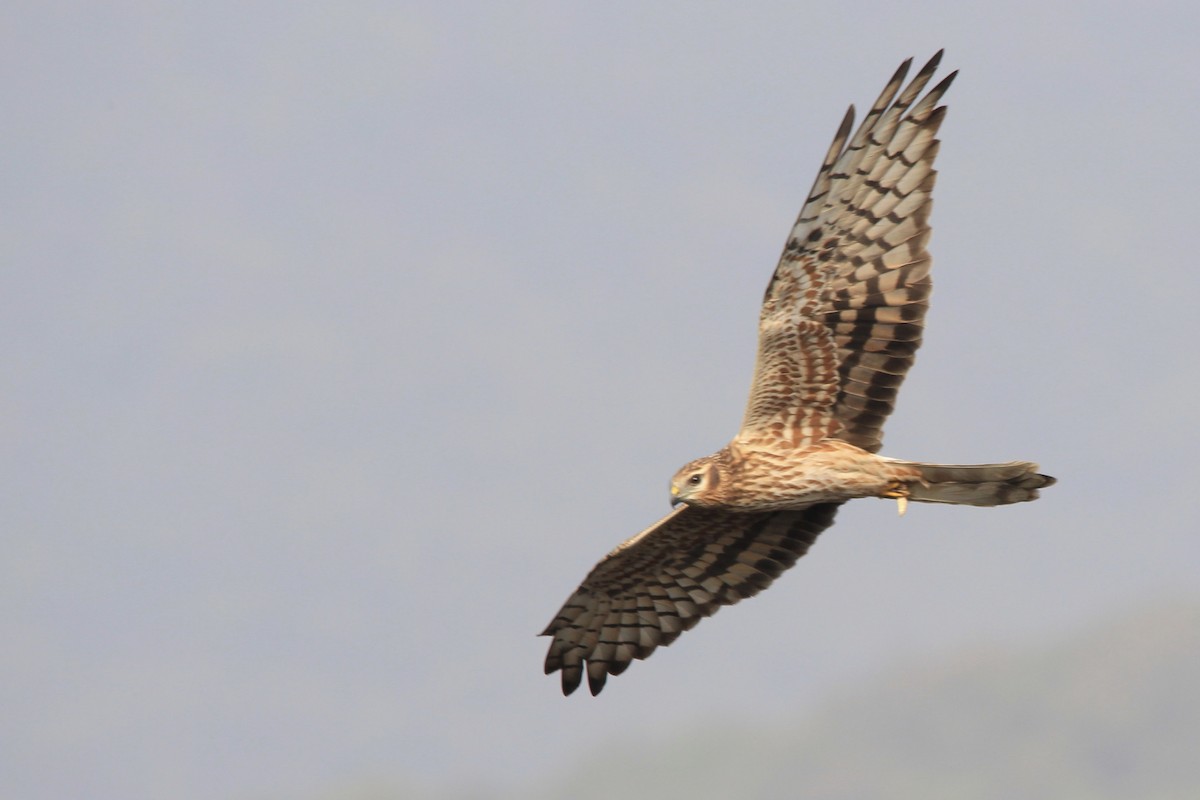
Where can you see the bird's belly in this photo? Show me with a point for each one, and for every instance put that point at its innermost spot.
(824, 475)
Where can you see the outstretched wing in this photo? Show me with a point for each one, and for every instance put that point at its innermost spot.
(844, 311)
(666, 579)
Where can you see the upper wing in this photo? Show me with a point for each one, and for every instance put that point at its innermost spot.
(844, 311)
(663, 581)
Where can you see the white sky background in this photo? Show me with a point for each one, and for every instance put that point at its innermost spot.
(339, 341)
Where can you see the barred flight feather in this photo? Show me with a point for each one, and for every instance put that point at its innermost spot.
(693, 562)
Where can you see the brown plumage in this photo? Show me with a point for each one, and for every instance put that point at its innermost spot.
(840, 325)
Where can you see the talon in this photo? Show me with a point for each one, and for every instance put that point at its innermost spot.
(902, 504)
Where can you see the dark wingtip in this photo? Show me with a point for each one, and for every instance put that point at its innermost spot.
(944, 83)
(596, 682)
(847, 124)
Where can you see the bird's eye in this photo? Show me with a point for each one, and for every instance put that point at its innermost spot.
(695, 479)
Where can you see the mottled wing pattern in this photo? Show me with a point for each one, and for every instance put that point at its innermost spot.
(843, 314)
(666, 579)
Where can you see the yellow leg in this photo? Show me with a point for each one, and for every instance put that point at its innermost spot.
(899, 492)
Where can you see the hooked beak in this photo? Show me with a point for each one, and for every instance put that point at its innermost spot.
(675, 496)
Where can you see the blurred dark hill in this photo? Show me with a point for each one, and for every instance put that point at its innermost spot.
(1111, 713)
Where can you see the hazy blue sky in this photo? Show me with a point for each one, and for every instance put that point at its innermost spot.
(340, 340)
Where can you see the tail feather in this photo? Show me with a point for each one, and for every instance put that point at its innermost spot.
(978, 484)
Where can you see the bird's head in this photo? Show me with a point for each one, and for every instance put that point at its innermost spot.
(698, 483)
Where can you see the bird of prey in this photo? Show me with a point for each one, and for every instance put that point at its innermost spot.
(840, 324)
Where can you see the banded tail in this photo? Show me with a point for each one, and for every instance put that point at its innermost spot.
(977, 484)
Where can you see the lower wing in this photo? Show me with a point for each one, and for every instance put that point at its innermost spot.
(663, 581)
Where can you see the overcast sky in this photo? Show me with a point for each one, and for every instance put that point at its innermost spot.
(340, 340)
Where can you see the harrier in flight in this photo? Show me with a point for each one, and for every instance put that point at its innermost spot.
(840, 325)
